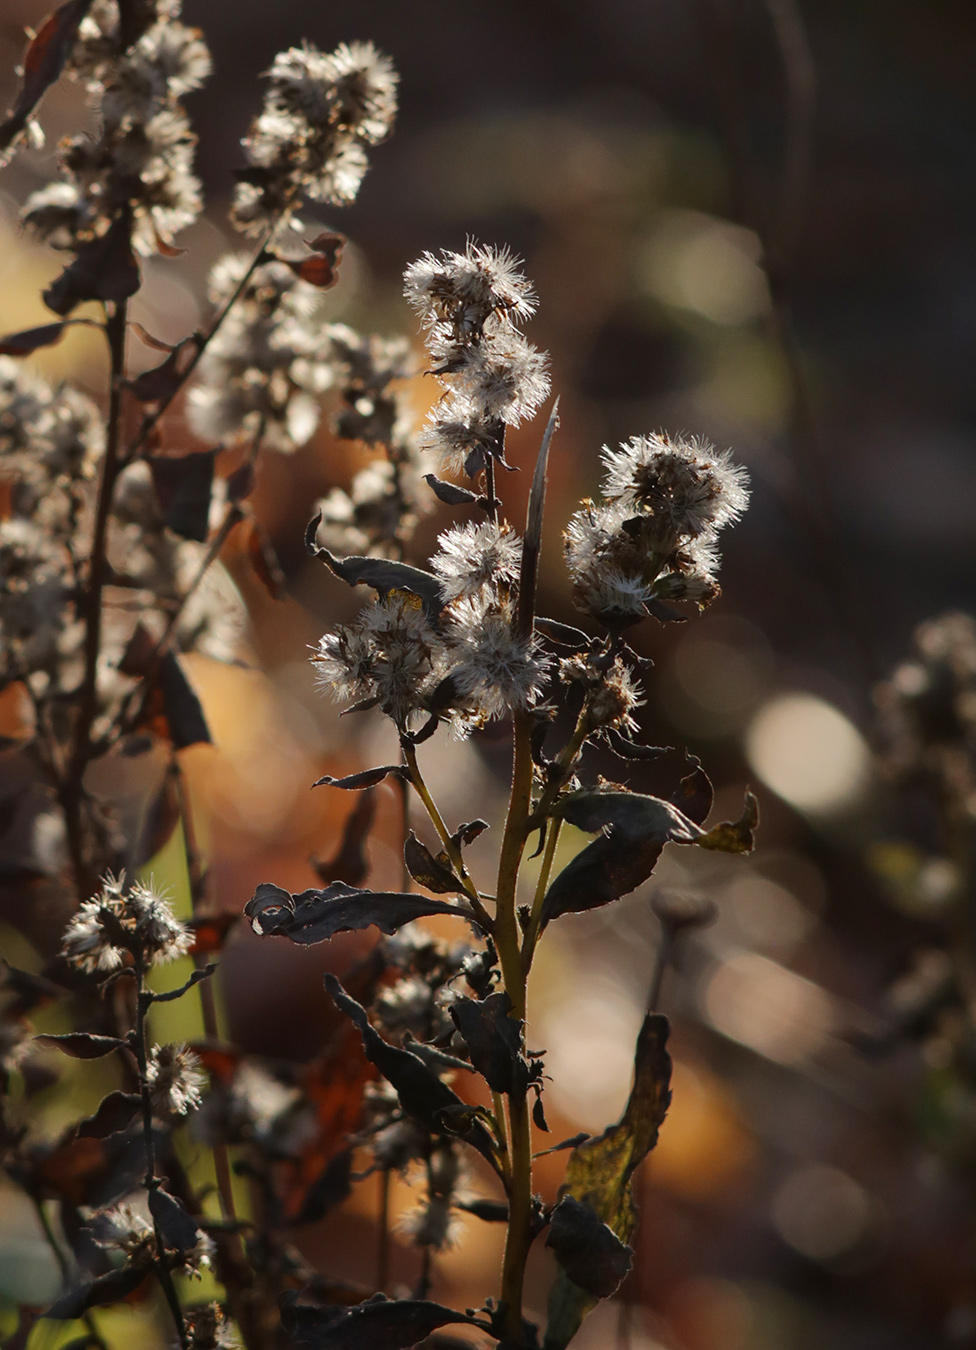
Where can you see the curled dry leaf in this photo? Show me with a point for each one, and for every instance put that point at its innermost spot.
(316, 915)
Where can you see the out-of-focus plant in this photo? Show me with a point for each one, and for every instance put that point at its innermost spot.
(110, 550)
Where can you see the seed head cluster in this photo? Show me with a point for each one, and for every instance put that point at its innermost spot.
(120, 923)
(320, 113)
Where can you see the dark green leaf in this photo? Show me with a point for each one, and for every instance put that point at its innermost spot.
(81, 1044)
(177, 1229)
(494, 1041)
(587, 1249)
(422, 1094)
(437, 875)
(115, 1112)
(314, 916)
(379, 1324)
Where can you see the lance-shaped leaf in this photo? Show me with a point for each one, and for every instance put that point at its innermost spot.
(494, 1041)
(32, 339)
(110, 1288)
(599, 1171)
(635, 829)
(434, 873)
(367, 778)
(43, 63)
(314, 916)
(382, 574)
(450, 493)
(422, 1094)
(379, 1324)
(587, 1249)
(81, 1044)
(532, 542)
(115, 1112)
(177, 1229)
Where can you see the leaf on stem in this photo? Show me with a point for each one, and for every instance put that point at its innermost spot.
(349, 862)
(172, 995)
(183, 485)
(115, 1112)
(635, 829)
(368, 778)
(532, 543)
(382, 574)
(587, 1249)
(316, 915)
(160, 383)
(422, 1094)
(436, 874)
(32, 339)
(494, 1041)
(183, 712)
(177, 1229)
(104, 269)
(468, 832)
(379, 1324)
(598, 1177)
(449, 493)
(321, 268)
(43, 63)
(110, 1288)
(81, 1044)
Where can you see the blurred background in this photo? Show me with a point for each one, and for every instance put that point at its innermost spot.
(744, 220)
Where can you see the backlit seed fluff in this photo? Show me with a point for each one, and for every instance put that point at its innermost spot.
(176, 1080)
(463, 289)
(689, 484)
(475, 557)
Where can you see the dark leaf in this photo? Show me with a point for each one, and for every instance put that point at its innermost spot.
(489, 1211)
(368, 778)
(177, 1229)
(172, 995)
(532, 542)
(241, 483)
(327, 1191)
(599, 1171)
(161, 382)
(184, 714)
(379, 1324)
(665, 613)
(450, 493)
(494, 1041)
(115, 1112)
(314, 916)
(381, 574)
(210, 931)
(574, 1142)
(435, 874)
(43, 63)
(637, 828)
(321, 268)
(31, 339)
(588, 1250)
(422, 1094)
(104, 269)
(30, 991)
(737, 836)
(627, 749)
(539, 1112)
(694, 795)
(110, 1288)
(81, 1044)
(183, 486)
(264, 560)
(468, 832)
(349, 863)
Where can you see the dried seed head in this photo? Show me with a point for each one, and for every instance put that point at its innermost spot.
(117, 923)
(176, 1080)
(474, 558)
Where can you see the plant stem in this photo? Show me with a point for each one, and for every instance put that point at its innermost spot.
(151, 1181)
(519, 1236)
(73, 792)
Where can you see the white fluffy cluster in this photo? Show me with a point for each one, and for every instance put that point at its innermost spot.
(470, 305)
(321, 111)
(653, 539)
(142, 157)
(135, 921)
